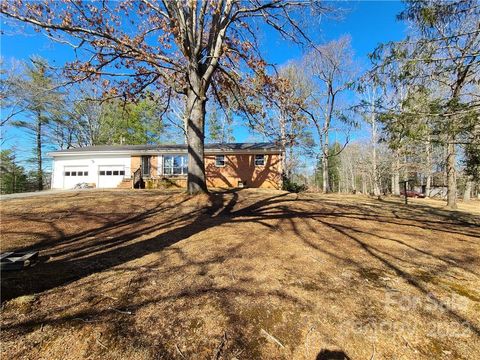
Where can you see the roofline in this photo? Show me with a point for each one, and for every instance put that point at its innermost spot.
(54, 154)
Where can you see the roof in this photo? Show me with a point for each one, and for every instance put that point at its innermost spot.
(209, 148)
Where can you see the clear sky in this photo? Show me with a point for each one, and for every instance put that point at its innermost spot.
(367, 22)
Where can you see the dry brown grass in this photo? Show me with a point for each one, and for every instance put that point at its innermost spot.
(151, 274)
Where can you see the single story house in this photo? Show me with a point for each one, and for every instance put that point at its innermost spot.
(256, 165)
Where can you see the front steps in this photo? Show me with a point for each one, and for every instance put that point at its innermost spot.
(125, 184)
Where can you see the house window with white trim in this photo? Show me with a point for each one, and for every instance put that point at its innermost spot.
(175, 165)
(260, 160)
(219, 160)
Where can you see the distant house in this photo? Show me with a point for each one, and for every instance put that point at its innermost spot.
(155, 166)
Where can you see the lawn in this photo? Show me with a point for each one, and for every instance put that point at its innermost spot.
(244, 274)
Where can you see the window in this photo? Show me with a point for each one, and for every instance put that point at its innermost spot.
(80, 173)
(74, 173)
(220, 160)
(67, 173)
(109, 172)
(175, 165)
(85, 173)
(146, 165)
(259, 160)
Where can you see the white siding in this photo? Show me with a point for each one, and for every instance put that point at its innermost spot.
(90, 161)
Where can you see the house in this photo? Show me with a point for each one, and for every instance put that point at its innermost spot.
(155, 166)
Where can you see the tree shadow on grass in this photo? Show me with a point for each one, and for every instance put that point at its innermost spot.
(115, 243)
(94, 250)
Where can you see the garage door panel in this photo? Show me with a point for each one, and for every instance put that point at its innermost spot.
(109, 176)
(73, 175)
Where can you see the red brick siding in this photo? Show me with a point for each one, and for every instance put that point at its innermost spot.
(242, 168)
(238, 168)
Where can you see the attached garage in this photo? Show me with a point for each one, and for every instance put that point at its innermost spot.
(109, 176)
(73, 175)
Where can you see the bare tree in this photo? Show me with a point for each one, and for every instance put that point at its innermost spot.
(332, 68)
(282, 119)
(193, 48)
(371, 94)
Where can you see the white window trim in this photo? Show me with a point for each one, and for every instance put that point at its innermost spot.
(255, 159)
(173, 155)
(224, 161)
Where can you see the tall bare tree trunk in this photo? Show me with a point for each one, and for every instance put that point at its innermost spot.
(39, 152)
(195, 141)
(325, 183)
(364, 184)
(405, 168)
(326, 132)
(283, 141)
(428, 183)
(354, 178)
(451, 176)
(376, 188)
(373, 123)
(396, 176)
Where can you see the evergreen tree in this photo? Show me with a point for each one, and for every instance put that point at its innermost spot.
(13, 178)
(41, 102)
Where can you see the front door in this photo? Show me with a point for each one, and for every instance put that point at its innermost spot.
(146, 165)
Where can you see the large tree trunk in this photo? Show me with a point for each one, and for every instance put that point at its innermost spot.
(451, 176)
(196, 182)
(38, 152)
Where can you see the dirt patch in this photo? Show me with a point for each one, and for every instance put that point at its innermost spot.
(248, 274)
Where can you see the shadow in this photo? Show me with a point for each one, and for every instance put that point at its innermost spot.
(325, 354)
(75, 256)
(106, 238)
(242, 168)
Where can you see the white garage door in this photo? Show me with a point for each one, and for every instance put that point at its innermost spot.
(73, 175)
(110, 176)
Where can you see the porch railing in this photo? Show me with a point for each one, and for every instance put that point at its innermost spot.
(137, 176)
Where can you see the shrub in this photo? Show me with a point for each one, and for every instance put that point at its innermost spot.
(291, 186)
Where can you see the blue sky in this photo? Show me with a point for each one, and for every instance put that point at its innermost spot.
(369, 23)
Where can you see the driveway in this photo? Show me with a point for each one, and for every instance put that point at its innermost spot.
(36, 193)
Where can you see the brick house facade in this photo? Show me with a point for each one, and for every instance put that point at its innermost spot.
(257, 165)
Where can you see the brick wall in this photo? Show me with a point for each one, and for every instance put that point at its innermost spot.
(242, 168)
(238, 168)
(135, 162)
